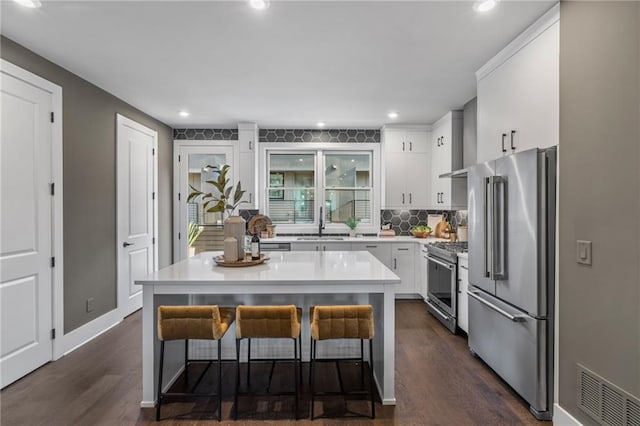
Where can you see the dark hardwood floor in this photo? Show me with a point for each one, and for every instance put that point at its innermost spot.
(437, 383)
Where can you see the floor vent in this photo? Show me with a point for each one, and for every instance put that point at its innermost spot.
(606, 402)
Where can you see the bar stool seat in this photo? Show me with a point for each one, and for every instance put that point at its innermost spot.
(273, 322)
(342, 322)
(193, 322)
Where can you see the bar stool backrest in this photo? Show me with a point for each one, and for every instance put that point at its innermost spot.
(267, 321)
(342, 322)
(193, 322)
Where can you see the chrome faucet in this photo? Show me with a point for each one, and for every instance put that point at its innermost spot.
(320, 224)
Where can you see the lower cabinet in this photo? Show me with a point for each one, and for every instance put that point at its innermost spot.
(463, 299)
(315, 246)
(403, 265)
(381, 251)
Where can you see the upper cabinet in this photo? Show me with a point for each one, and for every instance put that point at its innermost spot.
(406, 168)
(247, 139)
(518, 93)
(446, 156)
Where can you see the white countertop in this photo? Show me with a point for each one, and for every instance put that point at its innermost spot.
(396, 239)
(306, 268)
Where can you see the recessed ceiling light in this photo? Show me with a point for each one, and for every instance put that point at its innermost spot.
(259, 4)
(392, 114)
(300, 159)
(31, 4)
(484, 5)
(321, 124)
(183, 113)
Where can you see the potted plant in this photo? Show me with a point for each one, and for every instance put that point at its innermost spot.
(223, 201)
(194, 232)
(352, 223)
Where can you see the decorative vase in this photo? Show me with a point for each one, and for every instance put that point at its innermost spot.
(236, 226)
(192, 251)
(352, 232)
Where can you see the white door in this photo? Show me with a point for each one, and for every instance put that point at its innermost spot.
(136, 210)
(196, 167)
(26, 223)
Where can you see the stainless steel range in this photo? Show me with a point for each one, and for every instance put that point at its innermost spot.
(442, 279)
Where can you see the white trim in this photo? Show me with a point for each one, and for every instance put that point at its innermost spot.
(178, 144)
(543, 23)
(122, 120)
(561, 417)
(376, 180)
(87, 332)
(57, 248)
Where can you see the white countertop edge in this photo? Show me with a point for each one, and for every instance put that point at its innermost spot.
(396, 239)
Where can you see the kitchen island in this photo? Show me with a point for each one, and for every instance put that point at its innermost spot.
(300, 278)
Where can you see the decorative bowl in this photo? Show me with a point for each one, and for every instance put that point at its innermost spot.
(420, 234)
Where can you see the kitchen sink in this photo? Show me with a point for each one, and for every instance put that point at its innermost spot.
(320, 238)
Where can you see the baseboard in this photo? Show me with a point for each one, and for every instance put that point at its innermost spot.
(561, 417)
(74, 339)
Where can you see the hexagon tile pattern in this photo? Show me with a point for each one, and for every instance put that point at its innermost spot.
(313, 135)
(403, 220)
(206, 134)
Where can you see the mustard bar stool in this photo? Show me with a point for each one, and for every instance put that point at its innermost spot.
(193, 322)
(342, 322)
(273, 322)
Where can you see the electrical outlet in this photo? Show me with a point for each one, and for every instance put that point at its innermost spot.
(583, 252)
(90, 304)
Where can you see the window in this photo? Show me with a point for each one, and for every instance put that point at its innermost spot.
(301, 181)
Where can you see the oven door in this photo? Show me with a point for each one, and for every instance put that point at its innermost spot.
(443, 289)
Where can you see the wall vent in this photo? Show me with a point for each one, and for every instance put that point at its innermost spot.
(605, 402)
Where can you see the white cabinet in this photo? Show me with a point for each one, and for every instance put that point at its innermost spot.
(518, 94)
(247, 139)
(446, 156)
(381, 251)
(320, 246)
(463, 299)
(406, 168)
(422, 270)
(402, 264)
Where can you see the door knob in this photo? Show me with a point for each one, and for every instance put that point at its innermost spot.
(126, 244)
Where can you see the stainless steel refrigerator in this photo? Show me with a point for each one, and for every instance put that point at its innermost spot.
(512, 209)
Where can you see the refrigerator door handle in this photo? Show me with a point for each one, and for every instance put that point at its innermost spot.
(514, 318)
(486, 205)
(499, 189)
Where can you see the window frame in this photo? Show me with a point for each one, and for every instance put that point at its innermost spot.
(320, 149)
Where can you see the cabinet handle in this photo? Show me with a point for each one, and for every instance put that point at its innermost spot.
(410, 146)
(504, 135)
(324, 248)
(395, 263)
(250, 146)
(403, 146)
(403, 198)
(317, 248)
(410, 197)
(403, 249)
(513, 147)
(371, 246)
(250, 197)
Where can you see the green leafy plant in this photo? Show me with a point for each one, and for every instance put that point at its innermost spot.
(222, 200)
(194, 232)
(352, 222)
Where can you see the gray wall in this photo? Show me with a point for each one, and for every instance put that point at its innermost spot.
(599, 305)
(470, 133)
(89, 139)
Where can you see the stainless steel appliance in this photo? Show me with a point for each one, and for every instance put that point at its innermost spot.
(442, 276)
(512, 271)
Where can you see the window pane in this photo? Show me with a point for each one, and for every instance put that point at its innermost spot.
(200, 171)
(344, 203)
(347, 170)
(291, 188)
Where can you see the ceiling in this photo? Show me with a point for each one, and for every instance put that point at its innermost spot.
(298, 62)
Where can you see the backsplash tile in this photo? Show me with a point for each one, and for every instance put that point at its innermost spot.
(403, 220)
(206, 134)
(314, 135)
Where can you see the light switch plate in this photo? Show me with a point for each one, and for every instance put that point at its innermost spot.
(583, 252)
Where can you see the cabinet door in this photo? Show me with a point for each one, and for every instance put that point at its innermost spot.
(247, 178)
(437, 188)
(493, 114)
(417, 141)
(305, 246)
(418, 173)
(395, 141)
(335, 246)
(381, 251)
(463, 301)
(395, 180)
(247, 140)
(403, 266)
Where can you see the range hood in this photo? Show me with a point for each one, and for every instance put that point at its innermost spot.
(460, 173)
